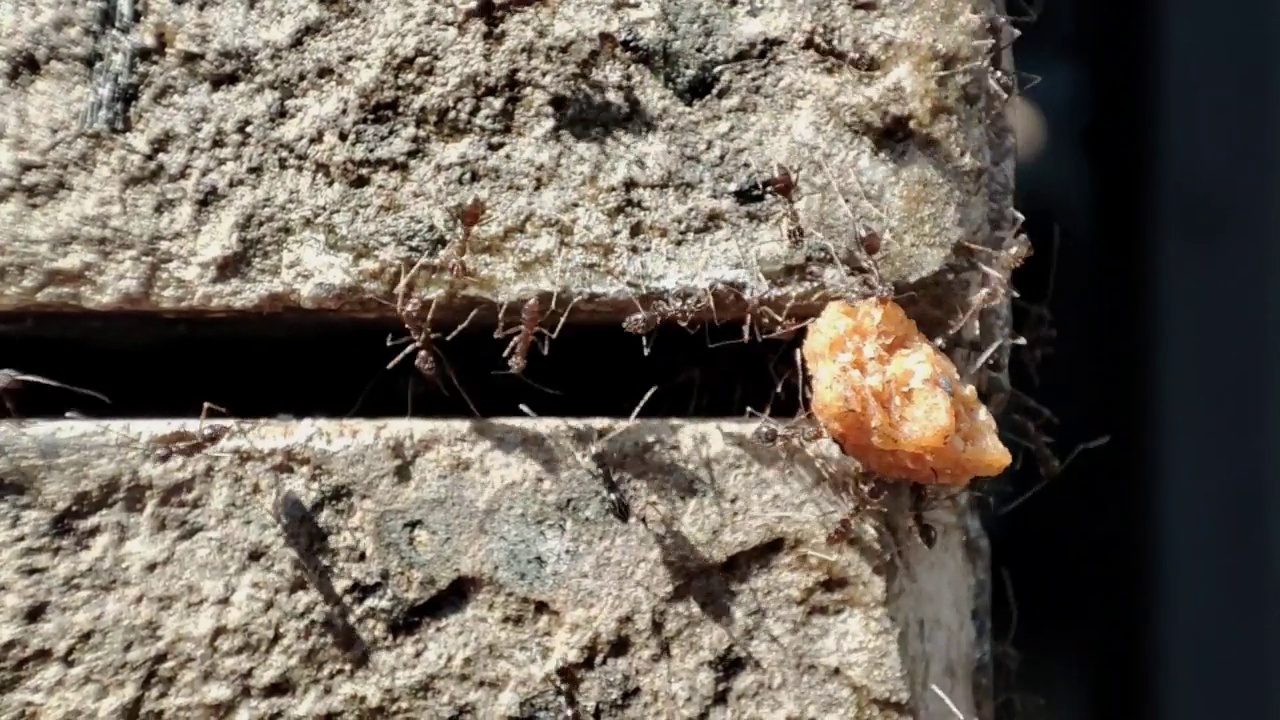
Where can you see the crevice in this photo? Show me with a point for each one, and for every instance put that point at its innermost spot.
(282, 367)
(452, 599)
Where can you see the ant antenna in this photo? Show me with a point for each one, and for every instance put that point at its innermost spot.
(10, 379)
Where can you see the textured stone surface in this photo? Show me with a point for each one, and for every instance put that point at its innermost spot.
(222, 157)
(451, 569)
(214, 157)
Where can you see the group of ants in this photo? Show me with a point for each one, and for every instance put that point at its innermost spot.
(766, 324)
(421, 340)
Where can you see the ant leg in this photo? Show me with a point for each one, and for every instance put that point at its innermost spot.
(786, 330)
(546, 343)
(405, 278)
(645, 345)
(463, 326)
(402, 288)
(403, 354)
(206, 407)
(979, 302)
(983, 358)
(502, 311)
(449, 370)
(511, 346)
(800, 386)
(711, 300)
(13, 379)
(431, 313)
(500, 332)
(747, 326)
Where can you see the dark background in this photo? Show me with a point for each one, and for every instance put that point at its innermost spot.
(1144, 577)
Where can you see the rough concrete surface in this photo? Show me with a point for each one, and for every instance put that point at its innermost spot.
(256, 156)
(433, 569)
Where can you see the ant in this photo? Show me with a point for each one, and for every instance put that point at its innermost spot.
(421, 339)
(1046, 459)
(869, 497)
(775, 324)
(186, 443)
(995, 288)
(642, 322)
(11, 381)
(927, 533)
(517, 350)
(783, 185)
(471, 216)
(614, 499)
(842, 532)
(601, 459)
(1038, 328)
(769, 434)
(493, 12)
(869, 244)
(183, 442)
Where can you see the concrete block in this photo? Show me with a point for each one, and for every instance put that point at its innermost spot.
(246, 157)
(434, 569)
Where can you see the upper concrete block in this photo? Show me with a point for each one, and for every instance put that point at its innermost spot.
(249, 156)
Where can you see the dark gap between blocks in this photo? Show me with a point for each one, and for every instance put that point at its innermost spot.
(267, 367)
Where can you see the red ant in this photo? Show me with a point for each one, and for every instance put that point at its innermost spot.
(492, 12)
(642, 322)
(186, 443)
(471, 216)
(422, 339)
(602, 459)
(517, 350)
(181, 442)
(842, 532)
(783, 185)
(995, 287)
(869, 244)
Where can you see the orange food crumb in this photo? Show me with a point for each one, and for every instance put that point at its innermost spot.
(893, 401)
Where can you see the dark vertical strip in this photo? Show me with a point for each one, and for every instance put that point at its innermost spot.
(113, 85)
(1216, 207)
